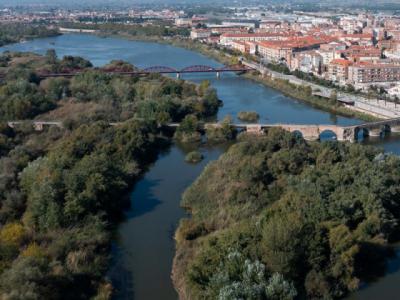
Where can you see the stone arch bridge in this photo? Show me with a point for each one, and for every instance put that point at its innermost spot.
(309, 132)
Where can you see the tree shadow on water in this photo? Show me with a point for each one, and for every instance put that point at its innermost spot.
(142, 198)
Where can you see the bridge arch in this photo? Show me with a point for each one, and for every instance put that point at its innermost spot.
(375, 131)
(328, 135)
(297, 133)
(198, 68)
(159, 69)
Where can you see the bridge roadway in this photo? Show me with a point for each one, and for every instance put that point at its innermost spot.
(308, 131)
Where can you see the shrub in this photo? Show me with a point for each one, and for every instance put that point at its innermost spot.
(248, 116)
(194, 157)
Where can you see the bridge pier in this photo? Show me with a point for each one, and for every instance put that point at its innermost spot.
(311, 138)
(310, 133)
(218, 74)
(347, 134)
(38, 126)
(254, 129)
(178, 75)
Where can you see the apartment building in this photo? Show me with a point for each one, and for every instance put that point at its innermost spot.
(183, 22)
(330, 51)
(307, 62)
(361, 39)
(392, 23)
(227, 38)
(279, 51)
(240, 46)
(200, 33)
(367, 73)
(356, 53)
(275, 51)
(220, 29)
(338, 70)
(351, 24)
(274, 25)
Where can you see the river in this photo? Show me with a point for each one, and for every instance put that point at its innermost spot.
(144, 247)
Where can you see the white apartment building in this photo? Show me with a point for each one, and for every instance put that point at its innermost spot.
(227, 38)
(198, 34)
(183, 22)
(307, 62)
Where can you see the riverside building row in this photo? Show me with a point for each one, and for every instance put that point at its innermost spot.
(359, 50)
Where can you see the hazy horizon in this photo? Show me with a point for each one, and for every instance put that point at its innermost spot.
(117, 2)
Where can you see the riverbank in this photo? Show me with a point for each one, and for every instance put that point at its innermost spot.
(303, 94)
(279, 85)
(17, 33)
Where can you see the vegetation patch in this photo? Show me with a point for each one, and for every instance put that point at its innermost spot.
(277, 218)
(248, 116)
(188, 130)
(221, 132)
(62, 188)
(16, 32)
(194, 157)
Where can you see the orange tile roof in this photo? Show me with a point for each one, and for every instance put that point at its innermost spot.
(297, 42)
(357, 35)
(342, 62)
(253, 34)
(368, 64)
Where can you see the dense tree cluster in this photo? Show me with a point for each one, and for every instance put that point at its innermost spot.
(317, 216)
(15, 32)
(56, 206)
(23, 95)
(71, 195)
(62, 189)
